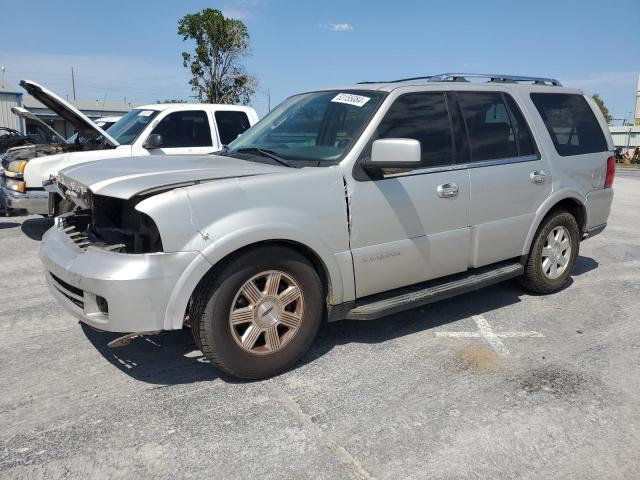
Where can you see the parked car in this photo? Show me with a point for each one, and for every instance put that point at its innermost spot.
(156, 130)
(353, 203)
(15, 193)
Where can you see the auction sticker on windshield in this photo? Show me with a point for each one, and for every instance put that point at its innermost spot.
(145, 113)
(351, 99)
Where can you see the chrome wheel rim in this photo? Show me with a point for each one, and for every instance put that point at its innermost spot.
(556, 252)
(266, 312)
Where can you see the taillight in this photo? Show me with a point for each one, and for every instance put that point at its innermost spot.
(611, 172)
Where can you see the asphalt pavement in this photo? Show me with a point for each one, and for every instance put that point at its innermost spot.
(494, 384)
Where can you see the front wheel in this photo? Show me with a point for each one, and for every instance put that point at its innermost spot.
(259, 314)
(553, 254)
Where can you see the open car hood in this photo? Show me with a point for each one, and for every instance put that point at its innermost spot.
(127, 177)
(27, 115)
(63, 108)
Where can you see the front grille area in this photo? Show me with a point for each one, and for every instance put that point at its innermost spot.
(79, 238)
(75, 295)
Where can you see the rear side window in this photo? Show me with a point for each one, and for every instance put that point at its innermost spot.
(185, 129)
(423, 117)
(230, 125)
(571, 123)
(491, 134)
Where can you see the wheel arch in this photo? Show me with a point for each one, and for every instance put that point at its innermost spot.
(571, 201)
(202, 268)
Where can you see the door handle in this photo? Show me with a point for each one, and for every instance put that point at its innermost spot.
(447, 190)
(538, 176)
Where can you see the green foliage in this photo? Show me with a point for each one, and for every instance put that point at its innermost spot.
(603, 108)
(220, 44)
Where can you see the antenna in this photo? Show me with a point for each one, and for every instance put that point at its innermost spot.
(73, 84)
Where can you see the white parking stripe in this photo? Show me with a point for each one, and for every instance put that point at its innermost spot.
(493, 338)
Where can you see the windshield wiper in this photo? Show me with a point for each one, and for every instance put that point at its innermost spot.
(265, 153)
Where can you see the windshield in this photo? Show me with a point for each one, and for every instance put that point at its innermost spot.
(318, 126)
(126, 130)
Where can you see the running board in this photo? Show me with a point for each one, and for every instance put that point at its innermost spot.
(388, 303)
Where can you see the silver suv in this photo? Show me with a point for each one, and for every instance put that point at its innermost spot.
(352, 203)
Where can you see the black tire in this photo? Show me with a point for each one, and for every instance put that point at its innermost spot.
(213, 300)
(534, 279)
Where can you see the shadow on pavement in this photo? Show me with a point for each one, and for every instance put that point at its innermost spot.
(171, 358)
(34, 228)
(4, 225)
(584, 265)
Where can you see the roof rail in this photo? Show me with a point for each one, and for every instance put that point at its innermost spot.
(494, 77)
(463, 77)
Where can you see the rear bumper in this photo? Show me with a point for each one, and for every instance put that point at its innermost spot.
(598, 207)
(112, 291)
(35, 202)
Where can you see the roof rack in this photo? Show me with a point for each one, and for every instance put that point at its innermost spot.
(492, 78)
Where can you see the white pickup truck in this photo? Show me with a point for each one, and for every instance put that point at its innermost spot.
(158, 129)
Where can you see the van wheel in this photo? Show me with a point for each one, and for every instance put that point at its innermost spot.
(260, 313)
(553, 254)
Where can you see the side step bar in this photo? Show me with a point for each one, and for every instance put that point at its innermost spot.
(388, 303)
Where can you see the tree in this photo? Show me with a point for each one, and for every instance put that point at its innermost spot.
(221, 43)
(603, 108)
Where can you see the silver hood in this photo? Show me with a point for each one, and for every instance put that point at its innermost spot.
(63, 108)
(127, 177)
(27, 115)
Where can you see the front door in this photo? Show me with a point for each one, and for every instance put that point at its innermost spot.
(413, 226)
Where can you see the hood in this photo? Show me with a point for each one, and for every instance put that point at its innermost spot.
(125, 178)
(67, 111)
(27, 115)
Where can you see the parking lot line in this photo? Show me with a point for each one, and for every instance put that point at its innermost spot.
(493, 338)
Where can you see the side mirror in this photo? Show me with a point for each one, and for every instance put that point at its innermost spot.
(402, 154)
(153, 141)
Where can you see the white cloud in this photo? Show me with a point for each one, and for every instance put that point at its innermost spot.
(339, 27)
(236, 13)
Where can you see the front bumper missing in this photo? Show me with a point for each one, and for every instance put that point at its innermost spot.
(110, 291)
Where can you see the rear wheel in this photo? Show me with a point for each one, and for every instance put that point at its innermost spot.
(259, 314)
(553, 254)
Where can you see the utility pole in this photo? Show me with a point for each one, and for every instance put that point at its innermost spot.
(269, 99)
(73, 84)
(2, 77)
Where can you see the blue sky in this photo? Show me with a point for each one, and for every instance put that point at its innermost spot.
(131, 49)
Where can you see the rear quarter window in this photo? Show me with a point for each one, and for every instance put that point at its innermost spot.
(571, 123)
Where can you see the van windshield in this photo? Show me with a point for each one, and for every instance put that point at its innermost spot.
(126, 130)
(318, 126)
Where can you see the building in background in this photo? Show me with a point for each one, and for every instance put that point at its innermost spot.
(9, 99)
(93, 110)
(627, 137)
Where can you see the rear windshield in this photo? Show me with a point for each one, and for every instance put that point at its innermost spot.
(571, 123)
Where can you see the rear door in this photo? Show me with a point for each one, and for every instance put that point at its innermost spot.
(185, 132)
(509, 178)
(403, 229)
(231, 124)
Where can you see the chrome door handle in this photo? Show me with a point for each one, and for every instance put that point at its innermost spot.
(538, 176)
(447, 190)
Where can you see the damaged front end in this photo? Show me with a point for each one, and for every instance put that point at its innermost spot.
(109, 223)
